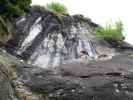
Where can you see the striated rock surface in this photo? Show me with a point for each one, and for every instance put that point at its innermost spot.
(44, 39)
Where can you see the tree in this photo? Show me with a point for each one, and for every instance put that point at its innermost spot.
(13, 8)
(10, 9)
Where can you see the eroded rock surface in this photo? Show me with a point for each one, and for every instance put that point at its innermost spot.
(44, 39)
(108, 80)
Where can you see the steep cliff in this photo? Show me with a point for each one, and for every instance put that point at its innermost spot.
(42, 61)
(55, 39)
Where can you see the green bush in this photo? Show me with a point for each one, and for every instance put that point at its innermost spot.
(110, 33)
(5, 29)
(9, 10)
(13, 8)
(56, 8)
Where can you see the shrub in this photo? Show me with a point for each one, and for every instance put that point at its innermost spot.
(110, 33)
(56, 8)
(13, 8)
(5, 29)
(9, 10)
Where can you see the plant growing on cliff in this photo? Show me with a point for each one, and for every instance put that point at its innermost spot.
(13, 8)
(111, 33)
(56, 8)
(9, 10)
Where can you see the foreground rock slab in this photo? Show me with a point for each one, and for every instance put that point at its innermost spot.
(104, 80)
(86, 83)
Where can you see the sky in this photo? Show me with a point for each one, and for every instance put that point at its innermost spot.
(100, 11)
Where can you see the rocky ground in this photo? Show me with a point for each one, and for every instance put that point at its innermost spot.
(99, 80)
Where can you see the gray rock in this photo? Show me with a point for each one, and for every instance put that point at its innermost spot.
(6, 88)
(102, 80)
(108, 80)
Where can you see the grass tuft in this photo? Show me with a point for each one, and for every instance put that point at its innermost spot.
(57, 8)
(111, 33)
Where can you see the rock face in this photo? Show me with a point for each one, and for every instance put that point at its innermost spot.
(44, 39)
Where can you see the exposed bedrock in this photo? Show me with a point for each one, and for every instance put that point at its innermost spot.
(107, 80)
(44, 39)
(43, 60)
